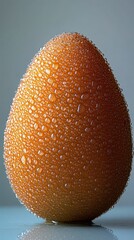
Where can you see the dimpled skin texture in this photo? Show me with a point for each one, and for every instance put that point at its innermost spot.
(68, 145)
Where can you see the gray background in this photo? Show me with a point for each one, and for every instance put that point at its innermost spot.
(25, 25)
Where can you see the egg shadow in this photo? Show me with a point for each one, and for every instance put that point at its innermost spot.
(73, 231)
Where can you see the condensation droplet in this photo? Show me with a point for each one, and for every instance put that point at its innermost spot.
(85, 96)
(33, 108)
(50, 80)
(46, 139)
(23, 159)
(91, 123)
(44, 128)
(35, 161)
(54, 120)
(54, 149)
(40, 134)
(76, 123)
(87, 129)
(67, 185)
(53, 136)
(52, 97)
(39, 170)
(31, 101)
(69, 100)
(13, 165)
(29, 160)
(62, 157)
(24, 150)
(39, 74)
(97, 105)
(47, 71)
(80, 108)
(55, 66)
(36, 115)
(55, 85)
(47, 120)
(41, 153)
(35, 126)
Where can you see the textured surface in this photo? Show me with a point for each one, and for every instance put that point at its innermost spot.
(68, 140)
(117, 224)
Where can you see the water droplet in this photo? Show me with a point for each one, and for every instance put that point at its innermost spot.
(53, 136)
(35, 126)
(55, 66)
(85, 96)
(47, 71)
(30, 111)
(29, 160)
(33, 108)
(44, 128)
(24, 150)
(91, 123)
(52, 97)
(76, 123)
(23, 159)
(39, 74)
(67, 185)
(50, 80)
(54, 149)
(31, 101)
(84, 167)
(87, 129)
(81, 108)
(39, 170)
(54, 120)
(92, 83)
(36, 115)
(13, 165)
(69, 100)
(55, 85)
(41, 153)
(68, 120)
(35, 161)
(97, 105)
(62, 157)
(47, 120)
(46, 139)
(40, 134)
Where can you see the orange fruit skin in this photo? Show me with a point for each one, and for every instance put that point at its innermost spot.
(68, 144)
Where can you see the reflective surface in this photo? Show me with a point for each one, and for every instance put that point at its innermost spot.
(18, 223)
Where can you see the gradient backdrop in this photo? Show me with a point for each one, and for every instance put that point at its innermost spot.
(25, 25)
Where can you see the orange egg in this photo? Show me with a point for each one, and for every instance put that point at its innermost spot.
(68, 144)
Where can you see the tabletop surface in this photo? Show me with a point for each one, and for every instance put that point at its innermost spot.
(18, 223)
